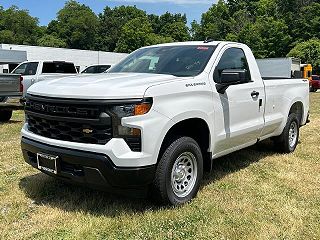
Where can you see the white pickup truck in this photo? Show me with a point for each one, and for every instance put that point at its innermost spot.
(36, 71)
(158, 119)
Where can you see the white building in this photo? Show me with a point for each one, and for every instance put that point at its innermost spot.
(81, 58)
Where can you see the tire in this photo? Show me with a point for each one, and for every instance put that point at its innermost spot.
(179, 173)
(5, 115)
(288, 140)
(312, 89)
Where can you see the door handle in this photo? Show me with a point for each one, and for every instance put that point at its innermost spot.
(255, 94)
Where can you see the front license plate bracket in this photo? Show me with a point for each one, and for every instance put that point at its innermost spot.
(47, 162)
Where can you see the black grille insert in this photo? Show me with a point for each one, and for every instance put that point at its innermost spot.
(69, 122)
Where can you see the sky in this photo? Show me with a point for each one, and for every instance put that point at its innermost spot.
(46, 10)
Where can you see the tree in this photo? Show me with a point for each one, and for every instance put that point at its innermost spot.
(153, 39)
(51, 41)
(77, 25)
(308, 52)
(215, 23)
(250, 6)
(307, 25)
(18, 27)
(111, 23)
(178, 31)
(267, 37)
(138, 33)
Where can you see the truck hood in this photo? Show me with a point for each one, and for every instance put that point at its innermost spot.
(100, 86)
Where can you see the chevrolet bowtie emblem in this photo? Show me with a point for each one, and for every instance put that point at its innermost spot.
(87, 131)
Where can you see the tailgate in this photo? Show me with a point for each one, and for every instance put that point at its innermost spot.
(9, 84)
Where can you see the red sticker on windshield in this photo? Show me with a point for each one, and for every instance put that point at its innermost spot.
(202, 48)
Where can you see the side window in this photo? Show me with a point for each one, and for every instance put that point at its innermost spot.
(25, 69)
(232, 58)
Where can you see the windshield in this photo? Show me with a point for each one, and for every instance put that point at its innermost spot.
(174, 60)
(315, 78)
(24, 69)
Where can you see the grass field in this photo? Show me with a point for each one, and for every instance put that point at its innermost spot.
(251, 194)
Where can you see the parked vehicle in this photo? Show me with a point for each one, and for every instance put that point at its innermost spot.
(314, 83)
(37, 71)
(96, 69)
(10, 94)
(280, 67)
(158, 119)
(306, 70)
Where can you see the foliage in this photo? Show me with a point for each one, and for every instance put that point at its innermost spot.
(308, 22)
(215, 22)
(18, 27)
(77, 25)
(158, 22)
(138, 33)
(308, 52)
(267, 37)
(178, 31)
(51, 41)
(111, 23)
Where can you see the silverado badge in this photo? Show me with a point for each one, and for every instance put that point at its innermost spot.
(87, 131)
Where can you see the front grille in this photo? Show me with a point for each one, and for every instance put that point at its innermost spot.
(72, 122)
(69, 131)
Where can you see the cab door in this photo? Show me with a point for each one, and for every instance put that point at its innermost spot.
(239, 117)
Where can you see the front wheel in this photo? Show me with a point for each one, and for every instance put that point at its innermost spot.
(179, 172)
(288, 140)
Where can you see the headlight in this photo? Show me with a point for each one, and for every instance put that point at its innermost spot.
(129, 110)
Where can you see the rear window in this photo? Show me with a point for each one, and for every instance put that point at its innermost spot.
(315, 78)
(25, 69)
(58, 67)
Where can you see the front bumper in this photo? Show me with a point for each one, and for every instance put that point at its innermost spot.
(87, 168)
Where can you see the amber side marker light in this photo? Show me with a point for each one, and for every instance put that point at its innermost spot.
(141, 109)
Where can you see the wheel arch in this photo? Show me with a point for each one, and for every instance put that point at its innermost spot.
(297, 108)
(196, 128)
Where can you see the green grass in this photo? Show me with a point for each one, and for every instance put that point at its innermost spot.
(251, 194)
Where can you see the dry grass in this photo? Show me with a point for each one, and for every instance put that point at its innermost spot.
(251, 194)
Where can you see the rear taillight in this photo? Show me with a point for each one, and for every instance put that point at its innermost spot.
(21, 85)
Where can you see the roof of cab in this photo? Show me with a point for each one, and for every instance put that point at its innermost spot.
(192, 43)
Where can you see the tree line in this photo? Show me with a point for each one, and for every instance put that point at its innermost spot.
(272, 28)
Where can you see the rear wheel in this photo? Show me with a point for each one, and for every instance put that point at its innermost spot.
(5, 115)
(179, 172)
(288, 140)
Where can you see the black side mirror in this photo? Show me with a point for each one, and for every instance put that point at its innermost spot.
(231, 77)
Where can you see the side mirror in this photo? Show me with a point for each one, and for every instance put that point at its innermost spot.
(233, 76)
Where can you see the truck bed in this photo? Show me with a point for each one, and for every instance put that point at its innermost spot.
(280, 95)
